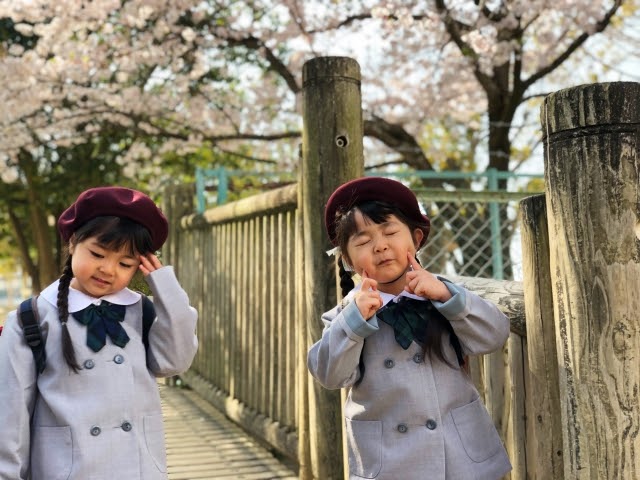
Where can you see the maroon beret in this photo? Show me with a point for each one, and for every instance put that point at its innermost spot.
(368, 189)
(117, 202)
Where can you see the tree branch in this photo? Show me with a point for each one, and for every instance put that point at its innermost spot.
(454, 29)
(577, 43)
(275, 64)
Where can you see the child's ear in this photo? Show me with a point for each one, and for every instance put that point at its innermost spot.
(418, 235)
(72, 245)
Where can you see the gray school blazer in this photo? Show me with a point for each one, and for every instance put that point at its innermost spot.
(104, 422)
(411, 417)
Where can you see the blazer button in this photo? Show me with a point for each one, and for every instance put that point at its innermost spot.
(95, 431)
(431, 424)
(126, 426)
(89, 364)
(118, 359)
(389, 363)
(418, 358)
(402, 428)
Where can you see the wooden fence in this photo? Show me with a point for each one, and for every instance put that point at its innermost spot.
(257, 272)
(241, 266)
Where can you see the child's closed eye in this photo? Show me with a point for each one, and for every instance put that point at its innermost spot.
(362, 241)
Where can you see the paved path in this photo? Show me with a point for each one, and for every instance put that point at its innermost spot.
(203, 444)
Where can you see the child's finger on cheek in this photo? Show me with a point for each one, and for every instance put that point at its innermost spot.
(369, 282)
(413, 263)
(379, 301)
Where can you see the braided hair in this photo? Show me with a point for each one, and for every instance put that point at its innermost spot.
(112, 232)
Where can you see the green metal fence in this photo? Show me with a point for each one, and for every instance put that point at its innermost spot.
(473, 215)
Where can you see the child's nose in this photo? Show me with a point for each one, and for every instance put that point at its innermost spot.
(107, 267)
(380, 245)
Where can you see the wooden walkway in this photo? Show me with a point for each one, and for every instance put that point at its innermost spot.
(203, 444)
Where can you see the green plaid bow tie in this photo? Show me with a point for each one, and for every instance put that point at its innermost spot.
(410, 320)
(101, 320)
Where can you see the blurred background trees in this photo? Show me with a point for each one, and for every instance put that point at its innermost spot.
(141, 92)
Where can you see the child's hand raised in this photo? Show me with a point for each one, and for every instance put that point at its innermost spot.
(149, 263)
(368, 299)
(425, 284)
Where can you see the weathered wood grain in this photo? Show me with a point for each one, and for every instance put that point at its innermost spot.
(544, 424)
(332, 153)
(592, 173)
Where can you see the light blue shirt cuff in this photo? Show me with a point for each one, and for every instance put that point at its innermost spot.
(357, 323)
(456, 304)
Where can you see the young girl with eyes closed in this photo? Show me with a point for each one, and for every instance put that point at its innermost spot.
(94, 412)
(398, 341)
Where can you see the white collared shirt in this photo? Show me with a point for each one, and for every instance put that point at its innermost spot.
(79, 300)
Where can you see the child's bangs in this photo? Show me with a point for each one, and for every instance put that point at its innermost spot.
(377, 212)
(116, 233)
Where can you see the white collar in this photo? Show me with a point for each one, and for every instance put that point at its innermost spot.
(79, 300)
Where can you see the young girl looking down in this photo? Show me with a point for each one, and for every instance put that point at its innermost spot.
(94, 412)
(398, 341)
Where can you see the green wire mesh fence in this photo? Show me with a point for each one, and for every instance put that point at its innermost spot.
(474, 216)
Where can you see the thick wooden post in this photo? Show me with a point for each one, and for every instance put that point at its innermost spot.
(592, 172)
(177, 202)
(544, 426)
(331, 154)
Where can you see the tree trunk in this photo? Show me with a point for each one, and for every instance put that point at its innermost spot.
(23, 247)
(43, 239)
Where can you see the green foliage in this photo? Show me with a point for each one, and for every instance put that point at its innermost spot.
(10, 36)
(535, 185)
(139, 284)
(450, 144)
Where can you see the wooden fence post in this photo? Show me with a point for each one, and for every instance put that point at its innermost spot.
(177, 201)
(331, 154)
(544, 428)
(592, 173)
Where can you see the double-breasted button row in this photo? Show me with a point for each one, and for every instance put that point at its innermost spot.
(389, 363)
(125, 426)
(403, 428)
(89, 364)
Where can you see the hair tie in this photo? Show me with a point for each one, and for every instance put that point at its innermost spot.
(334, 251)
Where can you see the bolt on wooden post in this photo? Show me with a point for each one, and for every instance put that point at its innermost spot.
(592, 173)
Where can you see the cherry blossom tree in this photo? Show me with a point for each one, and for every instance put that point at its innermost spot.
(178, 77)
